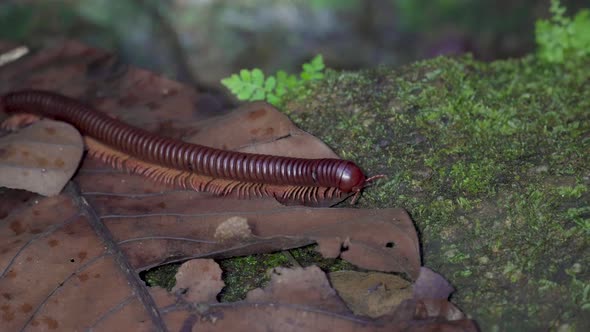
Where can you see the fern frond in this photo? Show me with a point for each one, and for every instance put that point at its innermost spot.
(252, 85)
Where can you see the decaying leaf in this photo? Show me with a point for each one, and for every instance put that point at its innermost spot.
(70, 245)
(299, 286)
(372, 294)
(233, 228)
(431, 285)
(40, 158)
(199, 280)
(376, 294)
(301, 299)
(258, 128)
(164, 227)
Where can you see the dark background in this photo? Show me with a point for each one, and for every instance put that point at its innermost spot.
(201, 41)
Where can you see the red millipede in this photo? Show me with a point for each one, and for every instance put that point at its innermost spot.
(172, 153)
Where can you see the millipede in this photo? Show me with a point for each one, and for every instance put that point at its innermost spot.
(172, 160)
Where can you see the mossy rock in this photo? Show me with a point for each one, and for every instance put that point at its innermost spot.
(491, 160)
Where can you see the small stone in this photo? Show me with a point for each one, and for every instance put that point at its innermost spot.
(576, 268)
(233, 228)
(384, 143)
(541, 169)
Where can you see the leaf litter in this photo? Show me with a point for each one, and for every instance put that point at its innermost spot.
(72, 261)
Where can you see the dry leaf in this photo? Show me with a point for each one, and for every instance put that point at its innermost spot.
(40, 158)
(301, 299)
(258, 128)
(372, 294)
(160, 228)
(376, 294)
(234, 228)
(299, 286)
(431, 285)
(199, 280)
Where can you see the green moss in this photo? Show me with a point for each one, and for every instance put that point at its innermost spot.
(243, 274)
(161, 276)
(307, 256)
(240, 274)
(491, 160)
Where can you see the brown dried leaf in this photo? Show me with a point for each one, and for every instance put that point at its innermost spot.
(40, 158)
(13, 200)
(372, 294)
(431, 285)
(302, 300)
(151, 227)
(259, 128)
(199, 280)
(376, 294)
(299, 286)
(234, 228)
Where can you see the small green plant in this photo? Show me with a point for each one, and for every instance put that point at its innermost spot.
(560, 37)
(252, 84)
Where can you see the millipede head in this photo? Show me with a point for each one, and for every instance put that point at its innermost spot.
(352, 178)
(366, 183)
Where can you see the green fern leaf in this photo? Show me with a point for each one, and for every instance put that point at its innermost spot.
(249, 85)
(252, 85)
(246, 92)
(318, 63)
(231, 82)
(270, 84)
(257, 77)
(273, 99)
(286, 81)
(258, 94)
(313, 69)
(246, 75)
(562, 38)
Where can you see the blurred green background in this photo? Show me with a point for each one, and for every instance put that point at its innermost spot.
(201, 41)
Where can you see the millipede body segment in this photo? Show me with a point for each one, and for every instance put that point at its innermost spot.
(176, 154)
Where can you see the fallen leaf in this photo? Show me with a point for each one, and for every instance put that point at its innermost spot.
(13, 200)
(40, 158)
(233, 228)
(376, 294)
(258, 128)
(301, 299)
(431, 285)
(300, 286)
(160, 228)
(371, 294)
(199, 280)
(437, 308)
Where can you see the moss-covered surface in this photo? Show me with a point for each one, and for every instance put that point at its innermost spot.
(243, 274)
(492, 160)
(162, 276)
